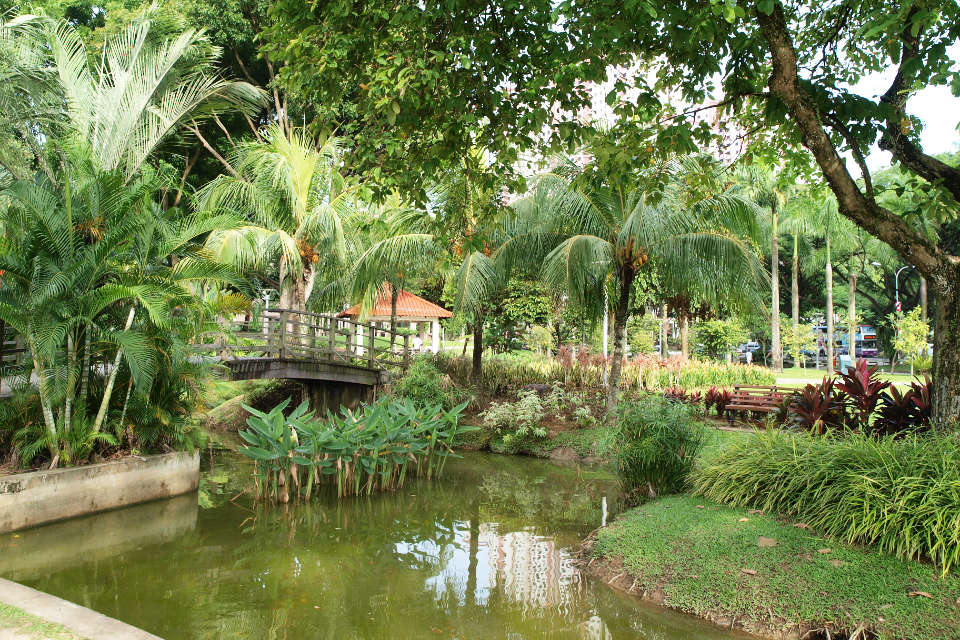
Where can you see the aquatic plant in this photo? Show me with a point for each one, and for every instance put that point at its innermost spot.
(358, 452)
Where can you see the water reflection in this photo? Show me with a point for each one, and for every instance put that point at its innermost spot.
(484, 553)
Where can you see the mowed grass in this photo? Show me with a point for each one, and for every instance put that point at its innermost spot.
(700, 558)
(23, 625)
(801, 375)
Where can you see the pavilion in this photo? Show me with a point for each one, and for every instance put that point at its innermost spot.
(422, 315)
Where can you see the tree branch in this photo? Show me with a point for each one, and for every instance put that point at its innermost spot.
(894, 139)
(784, 83)
(193, 128)
(856, 151)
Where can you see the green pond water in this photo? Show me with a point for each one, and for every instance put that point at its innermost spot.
(484, 552)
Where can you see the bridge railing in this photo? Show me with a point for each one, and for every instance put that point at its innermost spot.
(303, 335)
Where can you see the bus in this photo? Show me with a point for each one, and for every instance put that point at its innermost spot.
(866, 341)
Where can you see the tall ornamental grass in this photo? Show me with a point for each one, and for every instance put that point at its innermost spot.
(900, 495)
(501, 373)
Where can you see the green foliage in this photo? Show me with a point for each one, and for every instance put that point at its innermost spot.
(358, 452)
(719, 338)
(797, 340)
(655, 444)
(422, 384)
(502, 374)
(642, 329)
(541, 339)
(911, 335)
(517, 421)
(901, 495)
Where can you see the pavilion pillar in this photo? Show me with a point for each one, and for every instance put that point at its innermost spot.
(359, 343)
(435, 330)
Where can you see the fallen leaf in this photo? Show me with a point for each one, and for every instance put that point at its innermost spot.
(824, 550)
(699, 506)
(749, 572)
(923, 594)
(839, 563)
(766, 542)
(755, 512)
(744, 520)
(801, 525)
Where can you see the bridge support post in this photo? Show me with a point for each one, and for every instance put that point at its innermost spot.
(371, 345)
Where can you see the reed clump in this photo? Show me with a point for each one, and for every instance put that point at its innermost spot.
(901, 495)
(358, 452)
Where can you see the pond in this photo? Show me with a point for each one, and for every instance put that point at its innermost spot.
(484, 552)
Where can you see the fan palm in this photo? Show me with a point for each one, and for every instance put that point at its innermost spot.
(290, 190)
(589, 235)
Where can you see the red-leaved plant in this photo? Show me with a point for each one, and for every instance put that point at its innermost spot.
(904, 412)
(864, 392)
(816, 408)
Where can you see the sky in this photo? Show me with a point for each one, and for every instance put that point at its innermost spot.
(935, 106)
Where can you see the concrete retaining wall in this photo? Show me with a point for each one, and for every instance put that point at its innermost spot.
(30, 499)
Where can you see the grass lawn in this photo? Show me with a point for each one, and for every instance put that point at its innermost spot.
(20, 625)
(798, 373)
(726, 563)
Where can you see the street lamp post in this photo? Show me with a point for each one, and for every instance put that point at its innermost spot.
(898, 308)
(896, 285)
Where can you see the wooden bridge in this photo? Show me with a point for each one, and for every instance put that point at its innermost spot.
(286, 343)
(340, 360)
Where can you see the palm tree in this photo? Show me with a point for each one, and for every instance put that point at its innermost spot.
(762, 183)
(74, 223)
(590, 234)
(455, 233)
(290, 190)
(141, 92)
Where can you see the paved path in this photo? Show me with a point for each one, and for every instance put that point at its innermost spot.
(86, 623)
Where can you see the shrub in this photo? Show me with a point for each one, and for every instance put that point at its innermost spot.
(864, 391)
(655, 444)
(717, 398)
(902, 412)
(517, 420)
(901, 495)
(422, 384)
(816, 408)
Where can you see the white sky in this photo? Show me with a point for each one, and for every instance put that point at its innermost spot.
(935, 106)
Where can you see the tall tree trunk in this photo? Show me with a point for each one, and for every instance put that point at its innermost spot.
(685, 335)
(852, 317)
(830, 331)
(394, 296)
(108, 391)
(775, 295)
(946, 358)
(923, 298)
(477, 369)
(48, 419)
(664, 323)
(71, 382)
(85, 372)
(795, 285)
(627, 274)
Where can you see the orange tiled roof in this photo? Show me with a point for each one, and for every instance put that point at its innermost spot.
(408, 306)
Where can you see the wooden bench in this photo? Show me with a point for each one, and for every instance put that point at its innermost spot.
(753, 399)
